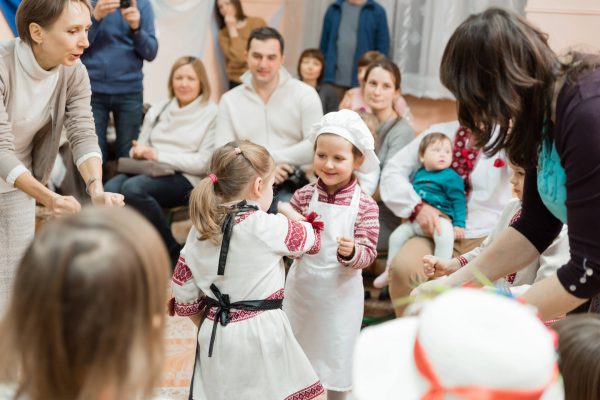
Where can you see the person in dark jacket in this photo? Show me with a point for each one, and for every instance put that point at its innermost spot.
(350, 29)
(121, 37)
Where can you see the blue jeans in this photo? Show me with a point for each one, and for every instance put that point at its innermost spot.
(149, 195)
(127, 110)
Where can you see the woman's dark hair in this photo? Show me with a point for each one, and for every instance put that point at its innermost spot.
(579, 350)
(502, 73)
(312, 53)
(389, 66)
(265, 33)
(239, 12)
(42, 12)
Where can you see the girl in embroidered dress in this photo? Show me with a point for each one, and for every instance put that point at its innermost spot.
(325, 294)
(232, 266)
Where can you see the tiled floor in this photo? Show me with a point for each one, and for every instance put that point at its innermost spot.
(180, 338)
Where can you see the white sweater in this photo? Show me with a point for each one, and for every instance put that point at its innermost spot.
(281, 125)
(183, 137)
(548, 262)
(491, 188)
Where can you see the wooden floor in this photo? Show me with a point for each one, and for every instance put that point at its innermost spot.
(180, 335)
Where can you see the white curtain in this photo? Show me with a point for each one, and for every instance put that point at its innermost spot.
(181, 29)
(422, 29)
(419, 31)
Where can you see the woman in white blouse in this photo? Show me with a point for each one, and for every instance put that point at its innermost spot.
(179, 132)
(43, 88)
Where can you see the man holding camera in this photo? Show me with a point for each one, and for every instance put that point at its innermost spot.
(121, 38)
(273, 109)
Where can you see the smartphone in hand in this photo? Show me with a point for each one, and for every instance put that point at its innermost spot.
(125, 4)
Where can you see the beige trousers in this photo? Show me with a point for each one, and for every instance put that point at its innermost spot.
(406, 269)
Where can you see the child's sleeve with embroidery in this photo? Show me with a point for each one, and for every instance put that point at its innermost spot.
(287, 237)
(187, 295)
(366, 233)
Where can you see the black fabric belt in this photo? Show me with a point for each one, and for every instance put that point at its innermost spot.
(224, 307)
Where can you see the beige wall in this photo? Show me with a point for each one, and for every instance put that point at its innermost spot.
(573, 23)
(5, 32)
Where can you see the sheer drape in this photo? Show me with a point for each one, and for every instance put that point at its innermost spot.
(420, 30)
(182, 28)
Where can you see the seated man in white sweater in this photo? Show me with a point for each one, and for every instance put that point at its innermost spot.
(271, 108)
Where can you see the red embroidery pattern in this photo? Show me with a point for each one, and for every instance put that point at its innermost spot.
(237, 316)
(462, 261)
(464, 157)
(240, 217)
(296, 236)
(317, 246)
(182, 272)
(515, 217)
(187, 309)
(309, 393)
(510, 278)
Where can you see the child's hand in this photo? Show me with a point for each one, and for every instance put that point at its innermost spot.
(459, 233)
(289, 211)
(345, 247)
(435, 267)
(429, 263)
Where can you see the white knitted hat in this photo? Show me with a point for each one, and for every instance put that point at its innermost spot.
(349, 125)
(465, 342)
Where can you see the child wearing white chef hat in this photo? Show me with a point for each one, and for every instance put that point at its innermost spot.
(324, 290)
(466, 344)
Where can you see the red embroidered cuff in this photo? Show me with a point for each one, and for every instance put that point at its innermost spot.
(317, 225)
(462, 261)
(188, 309)
(416, 211)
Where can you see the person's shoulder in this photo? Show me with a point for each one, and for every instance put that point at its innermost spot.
(447, 128)
(209, 106)
(375, 6)
(367, 203)
(7, 48)
(234, 95)
(256, 22)
(306, 190)
(451, 173)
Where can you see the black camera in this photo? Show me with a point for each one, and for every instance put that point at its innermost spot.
(297, 179)
(125, 4)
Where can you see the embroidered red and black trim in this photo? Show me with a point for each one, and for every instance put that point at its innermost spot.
(309, 393)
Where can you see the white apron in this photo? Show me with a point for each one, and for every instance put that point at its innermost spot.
(324, 300)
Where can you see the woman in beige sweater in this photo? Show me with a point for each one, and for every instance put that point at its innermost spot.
(43, 88)
(235, 28)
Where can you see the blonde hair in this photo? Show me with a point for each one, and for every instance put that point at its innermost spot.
(234, 170)
(200, 71)
(87, 311)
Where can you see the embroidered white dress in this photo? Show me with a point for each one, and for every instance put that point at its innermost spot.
(256, 355)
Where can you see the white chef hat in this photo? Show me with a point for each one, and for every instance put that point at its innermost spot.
(349, 125)
(466, 343)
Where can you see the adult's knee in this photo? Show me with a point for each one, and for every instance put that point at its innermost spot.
(133, 190)
(405, 272)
